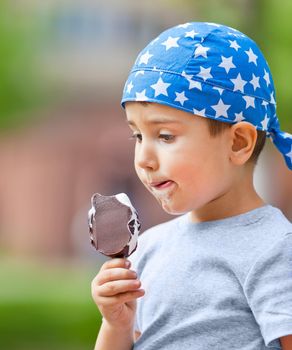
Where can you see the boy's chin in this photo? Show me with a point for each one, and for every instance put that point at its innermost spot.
(169, 205)
(172, 211)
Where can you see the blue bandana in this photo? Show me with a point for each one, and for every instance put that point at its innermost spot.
(212, 71)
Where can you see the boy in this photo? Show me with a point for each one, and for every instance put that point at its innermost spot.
(200, 102)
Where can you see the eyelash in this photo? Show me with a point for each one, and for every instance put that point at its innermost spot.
(165, 137)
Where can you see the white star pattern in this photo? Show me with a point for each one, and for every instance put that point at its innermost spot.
(192, 83)
(221, 109)
(129, 87)
(249, 101)
(265, 122)
(181, 97)
(201, 112)
(286, 135)
(141, 96)
(289, 154)
(160, 88)
(255, 82)
(239, 117)
(201, 51)
(185, 25)
(272, 98)
(195, 84)
(170, 42)
(191, 34)
(227, 63)
(234, 45)
(228, 67)
(214, 24)
(252, 57)
(219, 90)
(265, 103)
(267, 78)
(238, 83)
(185, 75)
(145, 58)
(205, 73)
(140, 72)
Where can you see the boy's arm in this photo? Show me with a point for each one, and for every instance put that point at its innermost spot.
(115, 290)
(109, 338)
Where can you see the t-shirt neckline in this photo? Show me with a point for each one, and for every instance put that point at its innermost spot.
(244, 219)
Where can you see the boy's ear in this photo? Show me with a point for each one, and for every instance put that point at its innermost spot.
(243, 139)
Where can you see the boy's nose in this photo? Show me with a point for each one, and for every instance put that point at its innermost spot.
(146, 158)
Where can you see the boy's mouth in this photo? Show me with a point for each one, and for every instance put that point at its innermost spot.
(161, 184)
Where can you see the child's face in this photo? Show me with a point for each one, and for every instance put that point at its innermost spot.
(176, 158)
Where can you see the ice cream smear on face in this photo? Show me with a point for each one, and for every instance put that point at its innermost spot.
(163, 190)
(114, 225)
(164, 194)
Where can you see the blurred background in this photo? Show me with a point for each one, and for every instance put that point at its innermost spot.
(63, 65)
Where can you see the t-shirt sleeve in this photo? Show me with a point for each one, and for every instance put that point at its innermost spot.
(268, 289)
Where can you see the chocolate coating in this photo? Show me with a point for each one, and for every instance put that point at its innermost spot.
(114, 225)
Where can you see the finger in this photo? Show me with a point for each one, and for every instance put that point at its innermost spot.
(117, 287)
(115, 274)
(117, 262)
(120, 298)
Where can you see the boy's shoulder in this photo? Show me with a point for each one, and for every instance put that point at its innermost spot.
(163, 228)
(153, 239)
(266, 214)
(237, 241)
(267, 223)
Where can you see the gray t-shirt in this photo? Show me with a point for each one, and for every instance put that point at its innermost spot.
(223, 284)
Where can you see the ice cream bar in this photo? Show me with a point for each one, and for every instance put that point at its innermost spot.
(114, 225)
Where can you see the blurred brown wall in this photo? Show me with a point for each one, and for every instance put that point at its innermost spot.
(49, 172)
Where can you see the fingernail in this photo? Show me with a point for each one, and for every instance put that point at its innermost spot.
(128, 263)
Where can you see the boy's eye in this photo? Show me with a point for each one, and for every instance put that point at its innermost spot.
(137, 137)
(166, 137)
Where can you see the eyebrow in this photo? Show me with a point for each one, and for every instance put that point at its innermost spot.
(156, 121)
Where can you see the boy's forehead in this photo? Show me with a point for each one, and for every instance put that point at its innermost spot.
(154, 113)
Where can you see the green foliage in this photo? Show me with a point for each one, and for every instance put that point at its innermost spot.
(47, 308)
(274, 28)
(20, 88)
(48, 325)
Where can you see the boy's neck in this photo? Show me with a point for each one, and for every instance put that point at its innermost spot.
(239, 199)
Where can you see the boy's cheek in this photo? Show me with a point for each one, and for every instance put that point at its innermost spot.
(137, 170)
(139, 174)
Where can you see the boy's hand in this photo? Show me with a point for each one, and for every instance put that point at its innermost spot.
(115, 290)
